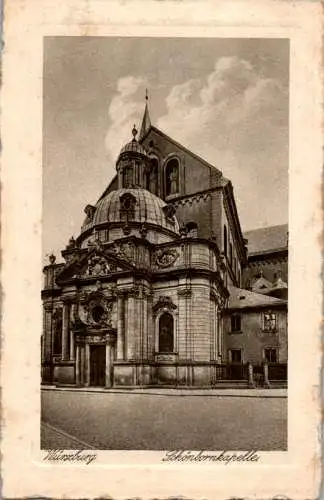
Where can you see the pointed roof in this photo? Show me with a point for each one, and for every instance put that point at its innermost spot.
(241, 299)
(146, 121)
(261, 284)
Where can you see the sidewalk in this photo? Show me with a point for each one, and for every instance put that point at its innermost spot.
(168, 391)
(55, 438)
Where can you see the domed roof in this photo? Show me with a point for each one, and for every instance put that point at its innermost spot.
(147, 208)
(133, 146)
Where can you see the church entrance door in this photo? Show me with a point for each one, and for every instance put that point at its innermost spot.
(97, 365)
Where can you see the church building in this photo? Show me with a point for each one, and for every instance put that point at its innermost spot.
(150, 290)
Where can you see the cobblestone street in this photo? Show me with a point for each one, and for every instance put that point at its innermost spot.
(160, 421)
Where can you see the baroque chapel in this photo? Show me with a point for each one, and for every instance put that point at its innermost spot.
(148, 291)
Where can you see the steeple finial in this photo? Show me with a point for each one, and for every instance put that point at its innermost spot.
(146, 122)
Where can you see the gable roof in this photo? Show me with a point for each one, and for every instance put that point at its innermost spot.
(261, 283)
(241, 299)
(267, 238)
(181, 146)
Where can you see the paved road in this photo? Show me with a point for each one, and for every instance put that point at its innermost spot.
(159, 422)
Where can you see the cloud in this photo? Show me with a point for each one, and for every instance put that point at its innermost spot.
(238, 120)
(226, 109)
(126, 108)
(234, 117)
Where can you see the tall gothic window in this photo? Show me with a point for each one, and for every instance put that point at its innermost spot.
(172, 177)
(225, 240)
(166, 333)
(231, 254)
(153, 180)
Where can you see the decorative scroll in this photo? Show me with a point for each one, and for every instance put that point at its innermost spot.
(126, 251)
(99, 266)
(166, 258)
(163, 302)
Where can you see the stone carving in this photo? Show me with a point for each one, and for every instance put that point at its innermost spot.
(143, 230)
(163, 302)
(98, 266)
(99, 312)
(166, 258)
(185, 292)
(213, 295)
(90, 211)
(93, 310)
(126, 251)
(169, 211)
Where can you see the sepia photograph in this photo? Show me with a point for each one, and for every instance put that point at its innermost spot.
(165, 243)
(161, 189)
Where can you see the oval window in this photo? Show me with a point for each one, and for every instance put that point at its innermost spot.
(97, 313)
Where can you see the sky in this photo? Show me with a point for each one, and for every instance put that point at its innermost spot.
(225, 99)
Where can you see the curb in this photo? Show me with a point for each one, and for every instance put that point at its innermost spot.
(238, 393)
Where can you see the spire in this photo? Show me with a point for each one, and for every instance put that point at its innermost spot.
(146, 122)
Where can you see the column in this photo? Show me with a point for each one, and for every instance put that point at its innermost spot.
(131, 327)
(150, 327)
(266, 375)
(250, 373)
(220, 341)
(65, 330)
(72, 345)
(120, 326)
(77, 366)
(87, 365)
(82, 363)
(108, 364)
(145, 331)
(47, 311)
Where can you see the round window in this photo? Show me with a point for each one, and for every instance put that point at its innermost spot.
(97, 313)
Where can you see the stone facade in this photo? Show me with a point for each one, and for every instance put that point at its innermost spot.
(143, 295)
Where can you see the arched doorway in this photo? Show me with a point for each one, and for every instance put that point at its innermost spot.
(166, 336)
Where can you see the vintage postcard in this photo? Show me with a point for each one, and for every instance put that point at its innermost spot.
(161, 243)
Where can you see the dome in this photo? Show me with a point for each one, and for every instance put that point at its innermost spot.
(133, 146)
(147, 208)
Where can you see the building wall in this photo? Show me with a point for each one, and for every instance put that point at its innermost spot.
(236, 264)
(200, 321)
(197, 175)
(252, 340)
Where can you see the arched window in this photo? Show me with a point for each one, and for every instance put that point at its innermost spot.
(153, 178)
(192, 230)
(225, 240)
(127, 206)
(57, 331)
(172, 177)
(166, 333)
